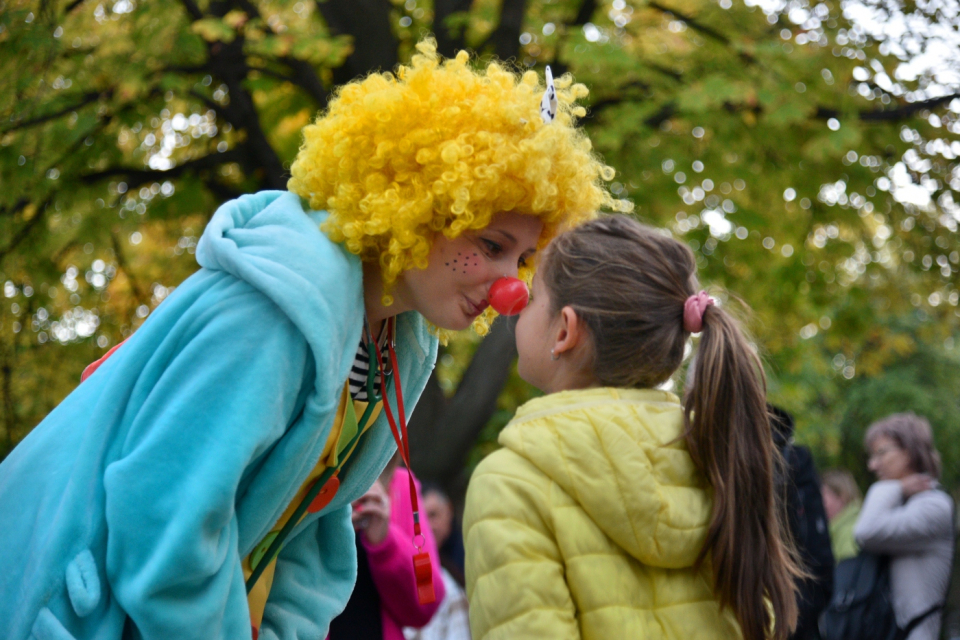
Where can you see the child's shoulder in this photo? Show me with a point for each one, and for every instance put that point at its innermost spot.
(507, 486)
(583, 418)
(596, 400)
(505, 463)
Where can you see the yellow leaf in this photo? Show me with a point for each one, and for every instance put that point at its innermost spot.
(235, 19)
(291, 125)
(213, 30)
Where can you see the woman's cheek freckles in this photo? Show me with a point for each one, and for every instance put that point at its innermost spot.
(463, 262)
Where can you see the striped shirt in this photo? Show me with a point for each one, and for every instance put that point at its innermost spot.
(361, 366)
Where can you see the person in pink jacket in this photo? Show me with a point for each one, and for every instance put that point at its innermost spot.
(385, 579)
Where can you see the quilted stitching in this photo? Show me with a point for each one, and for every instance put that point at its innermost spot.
(587, 523)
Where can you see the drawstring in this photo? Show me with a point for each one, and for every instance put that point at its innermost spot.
(422, 566)
(421, 560)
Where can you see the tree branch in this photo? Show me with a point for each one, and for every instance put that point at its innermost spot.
(664, 113)
(221, 191)
(252, 10)
(273, 74)
(691, 22)
(25, 230)
(15, 209)
(506, 37)
(223, 111)
(92, 96)
(823, 113)
(890, 115)
(136, 177)
(192, 9)
(368, 23)
(9, 410)
(304, 75)
(448, 41)
(73, 5)
(442, 432)
(228, 62)
(584, 13)
(140, 295)
(200, 68)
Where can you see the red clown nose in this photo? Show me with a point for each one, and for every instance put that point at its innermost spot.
(508, 296)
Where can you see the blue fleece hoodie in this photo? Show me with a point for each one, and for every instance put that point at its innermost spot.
(140, 493)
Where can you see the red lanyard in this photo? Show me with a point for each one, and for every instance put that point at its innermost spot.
(421, 560)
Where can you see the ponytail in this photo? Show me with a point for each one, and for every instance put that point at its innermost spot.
(729, 438)
(630, 285)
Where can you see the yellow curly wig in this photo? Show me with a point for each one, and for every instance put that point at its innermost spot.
(439, 147)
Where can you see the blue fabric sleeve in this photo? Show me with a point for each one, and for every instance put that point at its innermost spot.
(316, 572)
(214, 406)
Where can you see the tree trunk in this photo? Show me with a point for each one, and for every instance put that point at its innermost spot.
(506, 38)
(449, 42)
(227, 61)
(368, 23)
(443, 431)
(9, 414)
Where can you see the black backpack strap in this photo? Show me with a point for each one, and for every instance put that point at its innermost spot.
(916, 620)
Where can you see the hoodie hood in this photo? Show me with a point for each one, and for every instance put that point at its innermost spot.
(620, 455)
(268, 240)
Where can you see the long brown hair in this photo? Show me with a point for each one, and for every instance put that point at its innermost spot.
(628, 284)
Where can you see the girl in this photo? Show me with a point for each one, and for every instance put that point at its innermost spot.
(198, 484)
(613, 509)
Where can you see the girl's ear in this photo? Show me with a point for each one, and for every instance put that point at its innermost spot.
(571, 332)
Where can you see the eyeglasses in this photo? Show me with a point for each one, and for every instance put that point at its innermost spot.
(882, 451)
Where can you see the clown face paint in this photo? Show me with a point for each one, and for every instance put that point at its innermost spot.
(452, 291)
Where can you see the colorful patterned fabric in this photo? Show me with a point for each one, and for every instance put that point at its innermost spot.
(141, 493)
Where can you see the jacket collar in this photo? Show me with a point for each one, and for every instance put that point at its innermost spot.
(564, 401)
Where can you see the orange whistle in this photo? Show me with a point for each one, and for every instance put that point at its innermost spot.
(424, 572)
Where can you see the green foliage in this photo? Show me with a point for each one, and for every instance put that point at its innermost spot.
(812, 175)
(770, 144)
(808, 182)
(122, 126)
(924, 382)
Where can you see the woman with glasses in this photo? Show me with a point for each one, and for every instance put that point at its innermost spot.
(907, 517)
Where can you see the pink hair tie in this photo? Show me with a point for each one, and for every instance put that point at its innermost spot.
(693, 310)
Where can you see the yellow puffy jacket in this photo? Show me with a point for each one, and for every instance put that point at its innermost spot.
(587, 523)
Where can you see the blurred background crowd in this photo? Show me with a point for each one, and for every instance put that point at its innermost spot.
(878, 568)
(806, 151)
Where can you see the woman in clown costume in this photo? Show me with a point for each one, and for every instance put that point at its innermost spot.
(198, 484)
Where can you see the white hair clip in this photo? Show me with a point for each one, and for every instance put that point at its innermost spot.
(548, 104)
